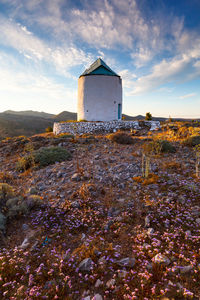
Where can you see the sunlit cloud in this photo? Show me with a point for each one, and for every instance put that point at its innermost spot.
(187, 96)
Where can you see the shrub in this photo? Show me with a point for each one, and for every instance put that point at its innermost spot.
(159, 146)
(65, 136)
(192, 140)
(25, 162)
(49, 155)
(120, 138)
(6, 191)
(148, 116)
(43, 157)
(49, 129)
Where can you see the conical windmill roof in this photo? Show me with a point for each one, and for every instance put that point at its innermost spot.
(99, 67)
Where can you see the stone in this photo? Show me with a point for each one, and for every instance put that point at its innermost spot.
(32, 191)
(185, 269)
(150, 231)
(25, 227)
(76, 177)
(98, 283)
(2, 222)
(87, 298)
(188, 233)
(75, 204)
(12, 202)
(24, 244)
(147, 221)
(110, 282)
(122, 273)
(97, 297)
(161, 259)
(126, 262)
(198, 221)
(86, 265)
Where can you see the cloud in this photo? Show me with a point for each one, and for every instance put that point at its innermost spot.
(25, 42)
(102, 24)
(127, 78)
(180, 68)
(187, 96)
(29, 88)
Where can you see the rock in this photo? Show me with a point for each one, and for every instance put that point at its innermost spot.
(98, 283)
(34, 201)
(76, 177)
(186, 269)
(48, 284)
(75, 204)
(161, 259)
(122, 273)
(97, 297)
(2, 222)
(86, 265)
(20, 209)
(188, 233)
(24, 244)
(149, 266)
(110, 282)
(12, 202)
(126, 262)
(198, 221)
(147, 221)
(25, 227)
(32, 191)
(102, 262)
(150, 231)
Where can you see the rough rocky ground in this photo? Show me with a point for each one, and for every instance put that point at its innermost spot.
(100, 233)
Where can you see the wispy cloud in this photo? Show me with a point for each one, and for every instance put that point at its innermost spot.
(188, 96)
(31, 88)
(32, 47)
(102, 24)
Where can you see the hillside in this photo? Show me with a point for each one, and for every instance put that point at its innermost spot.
(30, 113)
(82, 221)
(15, 123)
(27, 123)
(65, 115)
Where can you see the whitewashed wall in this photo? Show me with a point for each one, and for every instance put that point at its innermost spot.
(98, 97)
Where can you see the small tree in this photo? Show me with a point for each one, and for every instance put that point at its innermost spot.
(148, 116)
(49, 129)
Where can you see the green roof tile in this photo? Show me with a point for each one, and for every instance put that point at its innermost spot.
(99, 67)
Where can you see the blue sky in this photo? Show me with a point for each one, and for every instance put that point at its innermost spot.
(153, 44)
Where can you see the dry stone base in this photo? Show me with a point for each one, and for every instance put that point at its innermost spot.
(99, 127)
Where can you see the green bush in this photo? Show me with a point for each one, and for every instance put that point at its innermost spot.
(65, 136)
(120, 138)
(192, 140)
(159, 146)
(43, 157)
(49, 155)
(6, 191)
(148, 116)
(49, 129)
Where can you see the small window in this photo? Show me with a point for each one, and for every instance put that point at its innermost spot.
(87, 110)
(114, 102)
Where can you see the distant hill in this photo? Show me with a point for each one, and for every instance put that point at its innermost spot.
(65, 116)
(30, 113)
(15, 123)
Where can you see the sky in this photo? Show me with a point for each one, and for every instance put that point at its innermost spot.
(154, 45)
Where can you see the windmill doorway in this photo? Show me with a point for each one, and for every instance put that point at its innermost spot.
(119, 111)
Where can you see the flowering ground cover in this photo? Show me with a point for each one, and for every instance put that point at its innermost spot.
(101, 230)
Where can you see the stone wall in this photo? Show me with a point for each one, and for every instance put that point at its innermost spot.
(100, 127)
